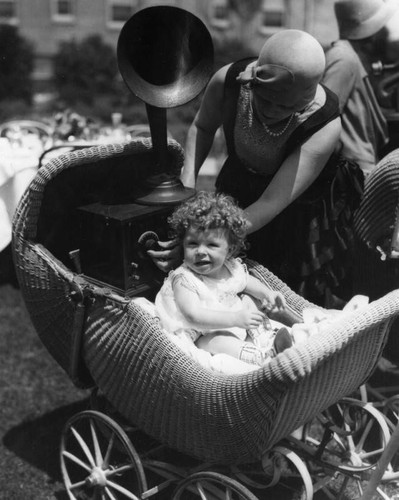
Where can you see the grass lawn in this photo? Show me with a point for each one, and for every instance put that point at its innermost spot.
(37, 398)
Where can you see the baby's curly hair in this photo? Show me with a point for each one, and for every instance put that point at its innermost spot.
(211, 211)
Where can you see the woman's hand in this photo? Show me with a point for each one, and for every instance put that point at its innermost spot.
(169, 257)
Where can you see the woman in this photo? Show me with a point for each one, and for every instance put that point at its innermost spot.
(369, 32)
(281, 127)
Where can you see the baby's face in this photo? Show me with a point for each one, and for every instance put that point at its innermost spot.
(205, 251)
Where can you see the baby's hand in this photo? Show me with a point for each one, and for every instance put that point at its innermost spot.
(273, 301)
(248, 318)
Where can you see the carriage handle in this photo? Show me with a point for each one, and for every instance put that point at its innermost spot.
(78, 371)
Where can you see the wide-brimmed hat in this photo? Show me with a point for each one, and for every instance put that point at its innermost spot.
(358, 19)
(376, 221)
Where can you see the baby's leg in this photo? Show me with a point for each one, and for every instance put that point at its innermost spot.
(220, 341)
(271, 336)
(225, 342)
(263, 335)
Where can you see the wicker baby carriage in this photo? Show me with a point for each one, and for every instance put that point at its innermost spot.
(108, 341)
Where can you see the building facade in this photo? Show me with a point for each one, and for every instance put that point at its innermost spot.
(46, 23)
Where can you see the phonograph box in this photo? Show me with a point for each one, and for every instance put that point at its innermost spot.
(114, 240)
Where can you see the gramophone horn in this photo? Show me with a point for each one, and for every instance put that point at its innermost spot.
(165, 55)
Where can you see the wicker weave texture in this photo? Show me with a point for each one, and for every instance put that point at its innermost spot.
(376, 216)
(227, 419)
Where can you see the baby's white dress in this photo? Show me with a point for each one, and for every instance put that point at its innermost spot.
(220, 294)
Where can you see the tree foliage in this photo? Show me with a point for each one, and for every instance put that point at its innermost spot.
(16, 65)
(85, 69)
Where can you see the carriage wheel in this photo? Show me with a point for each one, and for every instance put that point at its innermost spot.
(390, 409)
(98, 461)
(358, 434)
(288, 472)
(282, 470)
(211, 486)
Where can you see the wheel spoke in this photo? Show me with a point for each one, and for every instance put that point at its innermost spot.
(110, 494)
(77, 460)
(351, 444)
(80, 484)
(109, 450)
(119, 470)
(364, 436)
(84, 446)
(371, 453)
(339, 442)
(200, 491)
(97, 450)
(359, 487)
(122, 490)
(382, 494)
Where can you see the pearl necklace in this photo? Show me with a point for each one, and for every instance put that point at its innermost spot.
(267, 129)
(282, 131)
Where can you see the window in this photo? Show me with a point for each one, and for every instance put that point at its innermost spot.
(273, 15)
(63, 10)
(219, 14)
(8, 11)
(119, 11)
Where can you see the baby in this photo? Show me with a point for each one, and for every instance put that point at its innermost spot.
(208, 300)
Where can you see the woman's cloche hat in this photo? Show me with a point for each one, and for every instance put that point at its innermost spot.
(358, 19)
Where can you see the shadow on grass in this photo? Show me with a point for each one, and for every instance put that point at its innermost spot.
(37, 441)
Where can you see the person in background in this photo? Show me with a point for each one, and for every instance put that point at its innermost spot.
(207, 300)
(281, 128)
(368, 32)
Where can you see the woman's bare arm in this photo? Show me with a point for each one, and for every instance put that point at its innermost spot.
(298, 171)
(202, 131)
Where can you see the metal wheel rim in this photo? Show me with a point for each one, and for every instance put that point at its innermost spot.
(349, 446)
(206, 486)
(100, 478)
(379, 419)
(294, 459)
